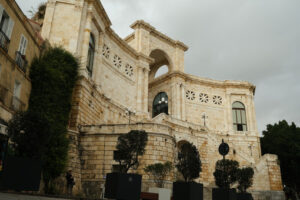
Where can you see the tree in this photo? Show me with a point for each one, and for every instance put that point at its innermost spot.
(189, 164)
(130, 146)
(29, 133)
(41, 132)
(226, 173)
(283, 140)
(245, 178)
(159, 171)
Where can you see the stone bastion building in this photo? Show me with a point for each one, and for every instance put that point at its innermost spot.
(118, 92)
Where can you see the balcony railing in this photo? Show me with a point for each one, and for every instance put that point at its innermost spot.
(17, 104)
(21, 61)
(4, 41)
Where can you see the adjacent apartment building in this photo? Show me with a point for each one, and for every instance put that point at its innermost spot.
(18, 46)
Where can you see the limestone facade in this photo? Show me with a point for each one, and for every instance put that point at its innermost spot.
(116, 95)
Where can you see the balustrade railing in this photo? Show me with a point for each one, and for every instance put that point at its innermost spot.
(21, 61)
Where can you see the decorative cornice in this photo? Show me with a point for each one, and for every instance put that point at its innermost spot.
(203, 81)
(142, 24)
(129, 38)
(101, 11)
(126, 47)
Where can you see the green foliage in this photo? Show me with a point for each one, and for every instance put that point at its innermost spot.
(40, 12)
(226, 173)
(245, 178)
(29, 132)
(283, 140)
(159, 171)
(41, 131)
(189, 164)
(130, 146)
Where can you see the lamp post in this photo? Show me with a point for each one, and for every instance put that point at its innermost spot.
(129, 113)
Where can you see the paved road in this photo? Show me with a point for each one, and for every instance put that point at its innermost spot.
(8, 196)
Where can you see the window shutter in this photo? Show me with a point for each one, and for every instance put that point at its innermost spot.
(10, 28)
(23, 45)
(1, 11)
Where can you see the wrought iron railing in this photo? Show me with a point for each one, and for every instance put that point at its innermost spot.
(17, 104)
(4, 41)
(21, 61)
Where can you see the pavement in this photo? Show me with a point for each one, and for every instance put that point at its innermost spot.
(10, 196)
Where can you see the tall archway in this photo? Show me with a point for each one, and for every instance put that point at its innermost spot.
(161, 60)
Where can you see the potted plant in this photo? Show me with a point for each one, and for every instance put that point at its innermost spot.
(159, 171)
(122, 185)
(225, 175)
(189, 165)
(245, 180)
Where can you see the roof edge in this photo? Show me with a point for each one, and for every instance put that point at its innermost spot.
(142, 24)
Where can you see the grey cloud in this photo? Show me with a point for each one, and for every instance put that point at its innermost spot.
(253, 40)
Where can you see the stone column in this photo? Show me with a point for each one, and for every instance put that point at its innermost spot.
(173, 99)
(99, 59)
(183, 117)
(178, 97)
(48, 19)
(145, 90)
(139, 89)
(85, 42)
(228, 114)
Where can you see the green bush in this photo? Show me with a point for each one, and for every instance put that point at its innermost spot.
(226, 173)
(130, 146)
(159, 171)
(189, 164)
(245, 178)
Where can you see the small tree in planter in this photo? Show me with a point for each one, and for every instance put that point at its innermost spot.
(245, 180)
(159, 171)
(225, 175)
(120, 185)
(189, 165)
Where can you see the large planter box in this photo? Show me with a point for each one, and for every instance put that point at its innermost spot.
(163, 193)
(244, 196)
(21, 174)
(187, 191)
(223, 194)
(123, 186)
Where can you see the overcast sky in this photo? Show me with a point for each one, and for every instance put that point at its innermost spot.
(253, 40)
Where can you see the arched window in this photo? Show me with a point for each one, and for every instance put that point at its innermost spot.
(160, 104)
(239, 116)
(91, 53)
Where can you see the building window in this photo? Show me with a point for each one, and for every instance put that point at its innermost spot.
(17, 104)
(91, 54)
(6, 27)
(20, 54)
(239, 116)
(160, 104)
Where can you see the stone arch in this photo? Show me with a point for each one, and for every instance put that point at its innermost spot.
(161, 58)
(180, 143)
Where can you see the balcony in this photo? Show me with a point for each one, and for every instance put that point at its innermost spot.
(4, 41)
(17, 104)
(21, 61)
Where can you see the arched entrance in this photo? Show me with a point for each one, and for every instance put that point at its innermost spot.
(161, 65)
